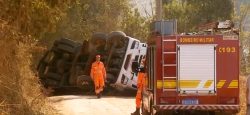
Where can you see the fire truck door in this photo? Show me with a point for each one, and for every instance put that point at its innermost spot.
(197, 68)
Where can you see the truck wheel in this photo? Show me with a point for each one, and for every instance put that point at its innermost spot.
(85, 82)
(53, 76)
(98, 39)
(116, 34)
(66, 48)
(116, 38)
(50, 83)
(41, 68)
(99, 35)
(110, 78)
(67, 42)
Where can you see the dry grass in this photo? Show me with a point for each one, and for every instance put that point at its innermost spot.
(20, 91)
(242, 84)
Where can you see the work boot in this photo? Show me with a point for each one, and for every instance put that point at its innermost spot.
(98, 95)
(137, 112)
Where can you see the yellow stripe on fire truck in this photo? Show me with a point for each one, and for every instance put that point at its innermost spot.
(233, 84)
(208, 83)
(221, 83)
(195, 84)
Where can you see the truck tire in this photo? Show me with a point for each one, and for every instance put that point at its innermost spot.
(54, 76)
(67, 42)
(50, 83)
(110, 78)
(99, 35)
(85, 82)
(66, 48)
(116, 38)
(98, 42)
(41, 69)
(116, 34)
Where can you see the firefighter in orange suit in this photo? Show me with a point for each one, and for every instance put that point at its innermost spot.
(140, 84)
(98, 75)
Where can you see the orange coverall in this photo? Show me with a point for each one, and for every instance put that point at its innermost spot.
(140, 84)
(98, 75)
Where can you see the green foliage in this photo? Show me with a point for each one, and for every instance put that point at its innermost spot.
(135, 25)
(84, 17)
(32, 17)
(242, 17)
(47, 20)
(191, 13)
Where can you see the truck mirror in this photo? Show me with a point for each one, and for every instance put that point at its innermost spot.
(135, 66)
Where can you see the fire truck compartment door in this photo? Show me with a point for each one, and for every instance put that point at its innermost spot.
(196, 68)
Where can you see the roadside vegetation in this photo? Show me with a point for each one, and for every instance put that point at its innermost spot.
(29, 27)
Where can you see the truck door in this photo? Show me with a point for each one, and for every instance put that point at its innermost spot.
(197, 68)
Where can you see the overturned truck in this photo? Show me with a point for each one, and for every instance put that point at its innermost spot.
(68, 63)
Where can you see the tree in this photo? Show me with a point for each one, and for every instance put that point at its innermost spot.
(84, 17)
(190, 13)
(241, 16)
(33, 17)
(135, 25)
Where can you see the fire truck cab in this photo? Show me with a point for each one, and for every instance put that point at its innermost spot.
(192, 73)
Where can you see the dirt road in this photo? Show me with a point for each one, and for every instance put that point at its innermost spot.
(90, 105)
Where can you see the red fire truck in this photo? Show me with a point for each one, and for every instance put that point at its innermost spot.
(192, 73)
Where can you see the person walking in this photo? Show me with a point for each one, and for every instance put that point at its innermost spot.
(98, 75)
(140, 84)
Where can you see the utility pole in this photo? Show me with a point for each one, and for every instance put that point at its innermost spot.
(158, 10)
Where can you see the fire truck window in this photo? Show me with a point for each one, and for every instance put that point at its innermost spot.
(128, 58)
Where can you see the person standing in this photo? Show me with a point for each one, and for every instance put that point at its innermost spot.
(140, 84)
(98, 75)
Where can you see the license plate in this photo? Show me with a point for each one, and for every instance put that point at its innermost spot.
(190, 101)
